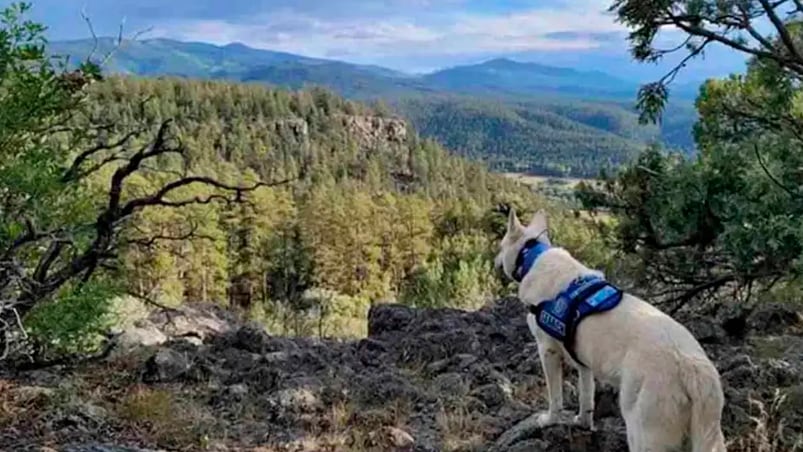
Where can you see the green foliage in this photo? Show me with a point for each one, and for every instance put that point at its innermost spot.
(652, 99)
(732, 218)
(43, 214)
(31, 93)
(75, 320)
(33, 98)
(290, 267)
(460, 271)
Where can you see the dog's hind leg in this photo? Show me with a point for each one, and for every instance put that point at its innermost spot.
(659, 417)
(550, 353)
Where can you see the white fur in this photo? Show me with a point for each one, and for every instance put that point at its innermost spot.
(669, 390)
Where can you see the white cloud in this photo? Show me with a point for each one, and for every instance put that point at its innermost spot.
(455, 33)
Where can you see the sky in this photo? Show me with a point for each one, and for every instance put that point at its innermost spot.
(407, 35)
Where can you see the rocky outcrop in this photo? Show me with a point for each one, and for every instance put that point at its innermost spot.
(369, 131)
(373, 130)
(479, 360)
(193, 323)
(433, 380)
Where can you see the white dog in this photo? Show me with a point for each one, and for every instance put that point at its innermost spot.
(669, 391)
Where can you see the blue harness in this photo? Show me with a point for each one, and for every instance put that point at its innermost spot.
(560, 316)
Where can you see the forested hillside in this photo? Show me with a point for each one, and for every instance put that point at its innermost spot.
(168, 57)
(364, 214)
(532, 137)
(522, 116)
(548, 136)
(370, 211)
(503, 75)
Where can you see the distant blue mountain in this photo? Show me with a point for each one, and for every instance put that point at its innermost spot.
(168, 57)
(512, 77)
(240, 62)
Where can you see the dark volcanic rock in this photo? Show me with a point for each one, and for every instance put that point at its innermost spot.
(706, 330)
(103, 448)
(167, 365)
(384, 318)
(428, 362)
(425, 380)
(774, 318)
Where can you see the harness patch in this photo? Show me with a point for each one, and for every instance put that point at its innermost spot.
(585, 296)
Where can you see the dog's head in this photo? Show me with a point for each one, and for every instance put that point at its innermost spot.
(515, 238)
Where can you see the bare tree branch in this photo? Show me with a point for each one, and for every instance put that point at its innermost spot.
(50, 256)
(47, 277)
(95, 39)
(794, 65)
(783, 32)
(148, 300)
(73, 173)
(118, 42)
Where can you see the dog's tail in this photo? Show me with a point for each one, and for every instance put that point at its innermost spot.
(705, 391)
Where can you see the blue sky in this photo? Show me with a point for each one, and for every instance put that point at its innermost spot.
(410, 35)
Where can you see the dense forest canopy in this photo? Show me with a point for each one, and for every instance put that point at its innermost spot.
(532, 137)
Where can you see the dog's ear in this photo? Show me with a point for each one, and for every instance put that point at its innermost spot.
(514, 226)
(540, 224)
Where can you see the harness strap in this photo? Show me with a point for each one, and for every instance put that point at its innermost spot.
(575, 313)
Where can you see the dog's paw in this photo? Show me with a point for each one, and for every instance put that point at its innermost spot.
(584, 420)
(547, 418)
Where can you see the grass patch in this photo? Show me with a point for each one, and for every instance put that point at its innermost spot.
(769, 432)
(21, 402)
(769, 347)
(460, 429)
(164, 416)
(529, 391)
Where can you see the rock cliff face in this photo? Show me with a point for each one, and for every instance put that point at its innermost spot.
(372, 130)
(381, 134)
(423, 380)
(371, 134)
(369, 131)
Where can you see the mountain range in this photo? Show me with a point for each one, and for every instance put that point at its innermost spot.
(516, 112)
